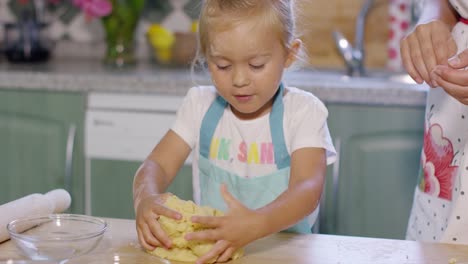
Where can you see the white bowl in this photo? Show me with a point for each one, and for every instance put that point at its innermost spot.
(56, 236)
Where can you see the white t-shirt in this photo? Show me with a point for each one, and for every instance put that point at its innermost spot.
(440, 205)
(245, 147)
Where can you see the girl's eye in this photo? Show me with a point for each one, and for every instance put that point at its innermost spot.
(257, 67)
(223, 68)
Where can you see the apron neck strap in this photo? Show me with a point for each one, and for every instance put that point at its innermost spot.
(215, 112)
(209, 124)
(282, 158)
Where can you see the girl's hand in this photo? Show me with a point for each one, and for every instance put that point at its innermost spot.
(454, 79)
(236, 229)
(150, 232)
(425, 47)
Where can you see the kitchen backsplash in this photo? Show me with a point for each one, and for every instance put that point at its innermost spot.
(317, 20)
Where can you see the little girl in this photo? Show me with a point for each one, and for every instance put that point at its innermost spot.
(440, 203)
(260, 149)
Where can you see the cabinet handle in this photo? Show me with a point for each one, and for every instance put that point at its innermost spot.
(69, 157)
(103, 122)
(336, 182)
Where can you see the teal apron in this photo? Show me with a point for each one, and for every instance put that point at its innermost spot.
(253, 192)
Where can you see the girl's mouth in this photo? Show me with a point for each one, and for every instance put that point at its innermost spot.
(243, 98)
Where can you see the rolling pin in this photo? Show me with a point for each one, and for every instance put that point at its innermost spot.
(55, 201)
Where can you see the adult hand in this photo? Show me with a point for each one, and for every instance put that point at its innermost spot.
(232, 231)
(454, 78)
(428, 45)
(150, 232)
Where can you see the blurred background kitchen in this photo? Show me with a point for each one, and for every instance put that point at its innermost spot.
(84, 98)
(68, 31)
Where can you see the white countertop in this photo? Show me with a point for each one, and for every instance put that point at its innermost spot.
(121, 240)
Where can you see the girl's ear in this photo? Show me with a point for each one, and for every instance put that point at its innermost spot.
(293, 52)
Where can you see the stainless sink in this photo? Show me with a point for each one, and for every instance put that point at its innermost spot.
(337, 77)
(400, 77)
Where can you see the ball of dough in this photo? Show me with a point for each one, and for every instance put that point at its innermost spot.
(183, 250)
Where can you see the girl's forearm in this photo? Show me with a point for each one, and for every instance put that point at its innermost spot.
(291, 206)
(438, 10)
(149, 180)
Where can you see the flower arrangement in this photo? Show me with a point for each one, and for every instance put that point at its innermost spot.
(119, 18)
(94, 8)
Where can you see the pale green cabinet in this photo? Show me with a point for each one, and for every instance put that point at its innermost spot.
(369, 190)
(41, 144)
(111, 187)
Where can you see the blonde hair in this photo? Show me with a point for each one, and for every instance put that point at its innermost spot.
(220, 15)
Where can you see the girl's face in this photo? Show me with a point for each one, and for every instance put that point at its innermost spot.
(246, 64)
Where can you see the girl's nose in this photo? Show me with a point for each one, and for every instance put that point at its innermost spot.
(240, 78)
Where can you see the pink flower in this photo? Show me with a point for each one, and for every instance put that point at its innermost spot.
(436, 160)
(94, 8)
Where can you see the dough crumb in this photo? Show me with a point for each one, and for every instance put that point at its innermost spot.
(452, 261)
(183, 250)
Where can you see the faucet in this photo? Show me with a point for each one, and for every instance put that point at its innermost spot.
(354, 56)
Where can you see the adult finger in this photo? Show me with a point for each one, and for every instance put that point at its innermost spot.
(428, 56)
(417, 58)
(460, 60)
(455, 76)
(455, 91)
(408, 62)
(444, 46)
(458, 92)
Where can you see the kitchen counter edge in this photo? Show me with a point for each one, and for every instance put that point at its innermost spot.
(177, 82)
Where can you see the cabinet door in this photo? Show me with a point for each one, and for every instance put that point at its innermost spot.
(111, 187)
(41, 139)
(369, 191)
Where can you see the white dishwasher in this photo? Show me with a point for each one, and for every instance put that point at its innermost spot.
(121, 129)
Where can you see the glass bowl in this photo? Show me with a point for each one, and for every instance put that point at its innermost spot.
(56, 236)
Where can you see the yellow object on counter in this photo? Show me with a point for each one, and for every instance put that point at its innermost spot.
(162, 41)
(194, 26)
(183, 250)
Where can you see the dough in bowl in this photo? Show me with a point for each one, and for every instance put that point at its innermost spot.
(183, 250)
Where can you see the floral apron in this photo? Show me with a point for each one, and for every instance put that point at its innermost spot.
(440, 205)
(253, 192)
